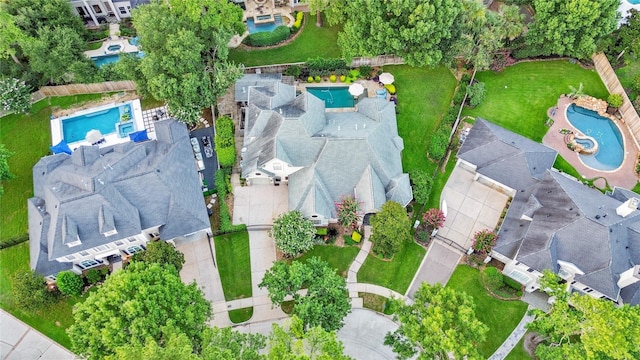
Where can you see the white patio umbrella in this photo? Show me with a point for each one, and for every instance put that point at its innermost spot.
(356, 89)
(93, 136)
(386, 78)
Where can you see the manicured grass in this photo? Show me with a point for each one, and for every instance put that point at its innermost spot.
(234, 264)
(439, 182)
(396, 274)
(518, 97)
(28, 136)
(636, 189)
(240, 315)
(339, 258)
(52, 320)
(518, 352)
(313, 42)
(564, 166)
(93, 46)
(424, 95)
(500, 316)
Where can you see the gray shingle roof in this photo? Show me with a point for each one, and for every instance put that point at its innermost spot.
(347, 150)
(126, 188)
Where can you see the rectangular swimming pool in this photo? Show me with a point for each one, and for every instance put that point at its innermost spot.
(334, 97)
(252, 27)
(75, 128)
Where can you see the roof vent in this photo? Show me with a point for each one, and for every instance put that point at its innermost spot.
(628, 207)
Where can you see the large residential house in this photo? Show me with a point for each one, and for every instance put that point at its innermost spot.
(98, 204)
(95, 10)
(321, 155)
(590, 239)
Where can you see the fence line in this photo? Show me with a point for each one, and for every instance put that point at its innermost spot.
(610, 80)
(356, 62)
(76, 89)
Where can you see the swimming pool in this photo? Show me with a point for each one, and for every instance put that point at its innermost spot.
(254, 28)
(108, 59)
(633, 2)
(334, 97)
(610, 143)
(75, 128)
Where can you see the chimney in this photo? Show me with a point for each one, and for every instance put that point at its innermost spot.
(629, 277)
(628, 207)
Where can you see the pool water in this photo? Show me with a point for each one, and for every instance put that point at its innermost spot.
(254, 28)
(108, 59)
(114, 47)
(611, 146)
(76, 128)
(334, 97)
(633, 2)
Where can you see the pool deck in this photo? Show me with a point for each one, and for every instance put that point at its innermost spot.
(624, 176)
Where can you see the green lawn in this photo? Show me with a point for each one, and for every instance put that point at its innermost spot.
(424, 95)
(518, 352)
(51, 321)
(396, 274)
(439, 182)
(29, 137)
(518, 97)
(500, 316)
(312, 42)
(339, 258)
(234, 264)
(628, 72)
(240, 315)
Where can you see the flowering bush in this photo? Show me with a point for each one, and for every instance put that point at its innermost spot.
(14, 95)
(348, 211)
(484, 240)
(434, 218)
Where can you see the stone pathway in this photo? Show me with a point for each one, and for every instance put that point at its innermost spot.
(513, 338)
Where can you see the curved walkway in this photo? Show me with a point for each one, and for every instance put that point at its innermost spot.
(513, 338)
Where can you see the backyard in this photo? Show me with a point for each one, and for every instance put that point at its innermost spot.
(500, 316)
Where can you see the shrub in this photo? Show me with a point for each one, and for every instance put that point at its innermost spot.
(293, 70)
(421, 184)
(493, 278)
(267, 38)
(434, 218)
(14, 95)
(310, 79)
(29, 291)
(636, 83)
(318, 78)
(484, 240)
(615, 100)
(69, 283)
(459, 95)
(93, 276)
(511, 283)
(365, 71)
(476, 93)
(391, 88)
(439, 144)
(320, 64)
(348, 209)
(225, 141)
(422, 236)
(332, 78)
(298, 22)
(342, 78)
(354, 74)
(293, 233)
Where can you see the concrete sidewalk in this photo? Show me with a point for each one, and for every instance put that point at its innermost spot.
(18, 341)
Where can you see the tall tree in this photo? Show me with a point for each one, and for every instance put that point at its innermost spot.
(291, 342)
(326, 302)
(29, 291)
(186, 52)
(582, 327)
(14, 95)
(5, 173)
(11, 36)
(32, 15)
(132, 306)
(293, 233)
(161, 252)
(441, 324)
(570, 27)
(416, 30)
(333, 10)
(389, 229)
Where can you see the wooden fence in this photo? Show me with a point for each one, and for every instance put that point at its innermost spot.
(76, 89)
(356, 62)
(610, 80)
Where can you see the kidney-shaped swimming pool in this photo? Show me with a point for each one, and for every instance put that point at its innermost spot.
(610, 152)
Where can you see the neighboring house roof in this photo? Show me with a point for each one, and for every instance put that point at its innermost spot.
(342, 153)
(128, 187)
(553, 217)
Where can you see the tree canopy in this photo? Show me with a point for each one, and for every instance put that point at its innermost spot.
(326, 302)
(161, 252)
(389, 229)
(441, 324)
(416, 30)
(5, 173)
(186, 52)
(293, 233)
(132, 306)
(570, 27)
(582, 327)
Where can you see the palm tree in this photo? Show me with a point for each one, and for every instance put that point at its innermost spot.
(576, 93)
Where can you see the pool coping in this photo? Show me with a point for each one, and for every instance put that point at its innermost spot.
(624, 176)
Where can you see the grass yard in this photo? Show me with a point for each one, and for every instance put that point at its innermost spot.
(339, 258)
(312, 42)
(424, 95)
(439, 182)
(626, 74)
(240, 315)
(518, 352)
(234, 264)
(396, 274)
(518, 97)
(51, 321)
(28, 136)
(500, 316)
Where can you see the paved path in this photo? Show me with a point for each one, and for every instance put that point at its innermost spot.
(18, 341)
(436, 267)
(514, 338)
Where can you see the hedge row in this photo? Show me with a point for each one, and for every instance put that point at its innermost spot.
(268, 38)
(225, 141)
(223, 188)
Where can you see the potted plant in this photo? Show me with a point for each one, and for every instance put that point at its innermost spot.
(125, 117)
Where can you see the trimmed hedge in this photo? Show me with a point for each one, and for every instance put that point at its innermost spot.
(225, 141)
(268, 38)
